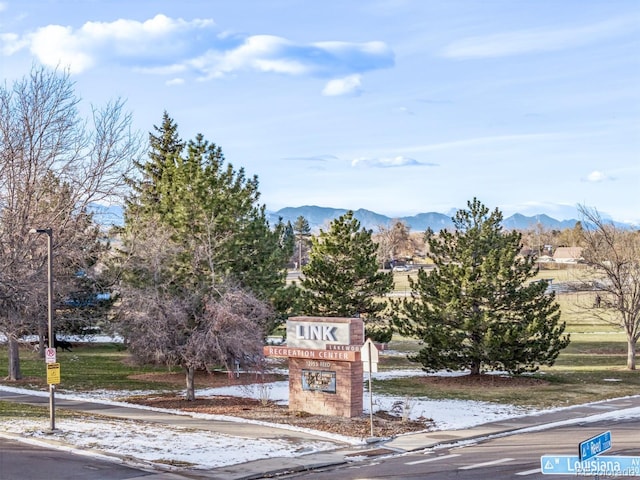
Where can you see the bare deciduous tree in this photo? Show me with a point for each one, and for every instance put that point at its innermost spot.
(614, 254)
(226, 330)
(53, 167)
(195, 326)
(394, 241)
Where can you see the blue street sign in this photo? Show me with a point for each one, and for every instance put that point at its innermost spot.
(594, 446)
(572, 465)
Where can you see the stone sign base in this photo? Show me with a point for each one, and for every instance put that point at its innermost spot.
(341, 398)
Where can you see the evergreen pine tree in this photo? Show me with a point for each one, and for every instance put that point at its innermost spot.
(342, 277)
(165, 147)
(476, 310)
(213, 211)
(302, 232)
(195, 236)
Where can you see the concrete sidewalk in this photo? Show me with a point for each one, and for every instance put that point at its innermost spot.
(236, 429)
(342, 453)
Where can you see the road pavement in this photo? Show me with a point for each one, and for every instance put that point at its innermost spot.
(341, 454)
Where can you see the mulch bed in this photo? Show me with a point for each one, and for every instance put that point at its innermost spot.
(385, 424)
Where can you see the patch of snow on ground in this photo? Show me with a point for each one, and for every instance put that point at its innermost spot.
(203, 449)
(446, 414)
(163, 444)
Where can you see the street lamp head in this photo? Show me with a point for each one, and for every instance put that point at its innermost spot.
(40, 230)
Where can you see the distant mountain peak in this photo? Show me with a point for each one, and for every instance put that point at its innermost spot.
(320, 217)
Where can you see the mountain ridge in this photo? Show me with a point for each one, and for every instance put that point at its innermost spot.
(320, 217)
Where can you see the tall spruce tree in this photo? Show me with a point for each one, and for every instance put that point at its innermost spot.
(216, 241)
(149, 189)
(476, 310)
(213, 210)
(342, 277)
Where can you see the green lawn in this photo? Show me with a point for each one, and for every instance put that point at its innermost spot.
(87, 367)
(591, 368)
(576, 307)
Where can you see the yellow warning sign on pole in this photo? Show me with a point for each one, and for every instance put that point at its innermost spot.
(53, 373)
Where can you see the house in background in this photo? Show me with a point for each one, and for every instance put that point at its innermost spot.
(568, 255)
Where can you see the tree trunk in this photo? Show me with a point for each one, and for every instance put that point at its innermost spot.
(631, 354)
(191, 391)
(14, 359)
(475, 367)
(42, 332)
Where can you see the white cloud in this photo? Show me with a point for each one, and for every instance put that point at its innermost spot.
(398, 161)
(314, 159)
(490, 140)
(534, 40)
(165, 46)
(158, 38)
(56, 45)
(175, 81)
(264, 53)
(11, 43)
(350, 85)
(270, 53)
(405, 110)
(597, 176)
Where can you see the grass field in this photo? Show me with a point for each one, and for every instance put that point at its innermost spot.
(575, 307)
(591, 368)
(87, 367)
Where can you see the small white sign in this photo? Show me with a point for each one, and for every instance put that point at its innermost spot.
(369, 353)
(369, 348)
(50, 355)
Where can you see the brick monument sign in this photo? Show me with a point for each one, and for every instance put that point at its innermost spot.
(325, 370)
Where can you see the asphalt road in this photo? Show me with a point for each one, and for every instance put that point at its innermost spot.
(507, 457)
(20, 461)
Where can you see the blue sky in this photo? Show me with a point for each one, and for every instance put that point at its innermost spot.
(396, 106)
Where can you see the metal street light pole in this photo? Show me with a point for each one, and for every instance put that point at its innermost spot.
(49, 232)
